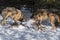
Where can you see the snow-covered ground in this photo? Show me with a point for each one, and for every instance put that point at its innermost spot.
(24, 33)
(27, 32)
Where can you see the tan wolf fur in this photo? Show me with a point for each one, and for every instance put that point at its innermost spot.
(53, 18)
(41, 16)
(45, 15)
(12, 12)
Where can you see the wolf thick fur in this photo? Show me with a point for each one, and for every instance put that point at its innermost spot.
(12, 12)
(53, 18)
(41, 16)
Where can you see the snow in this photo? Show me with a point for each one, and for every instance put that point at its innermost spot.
(1, 17)
(23, 33)
(0, 38)
(26, 31)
